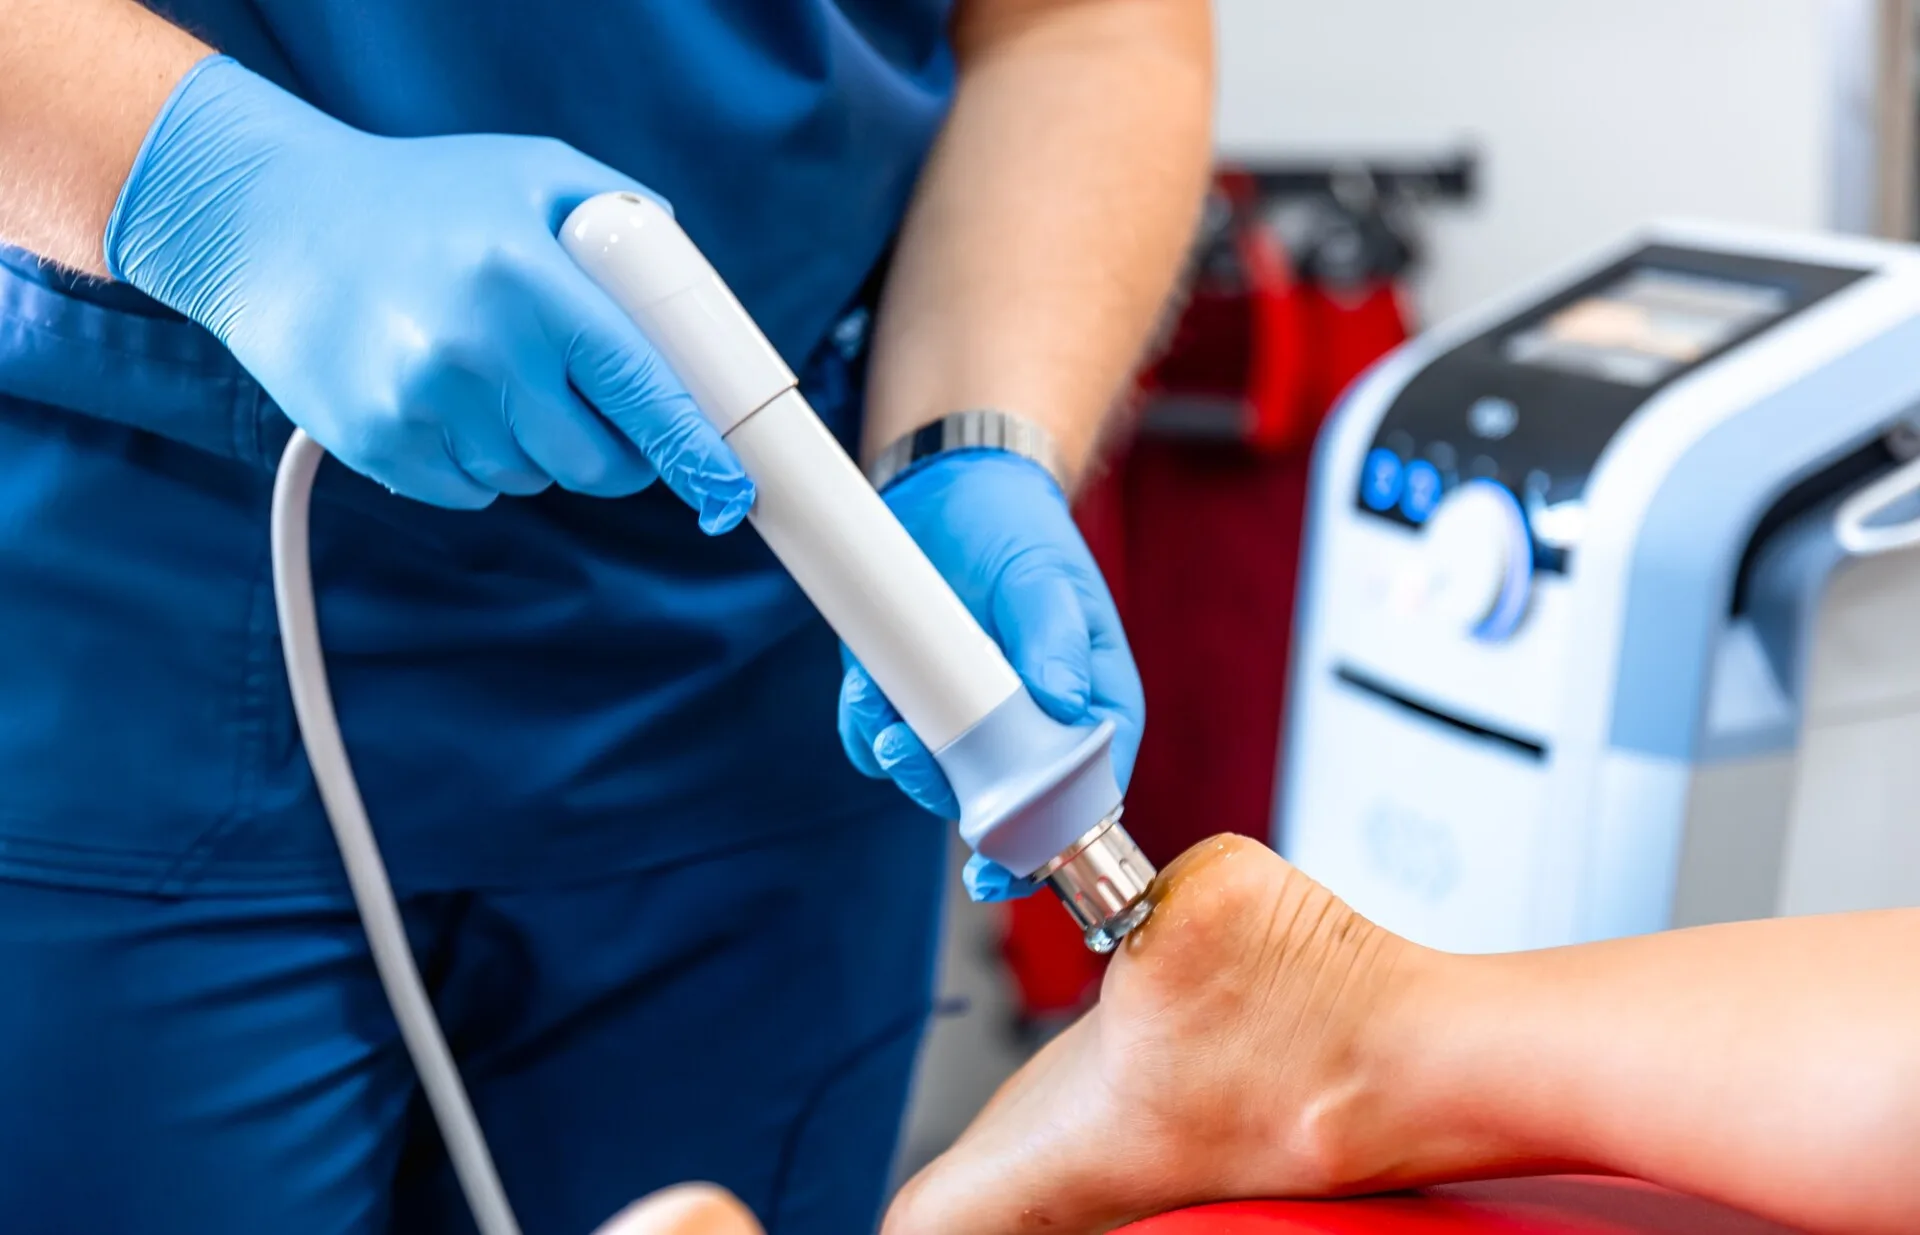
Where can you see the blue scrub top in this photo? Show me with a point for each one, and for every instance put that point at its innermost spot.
(554, 686)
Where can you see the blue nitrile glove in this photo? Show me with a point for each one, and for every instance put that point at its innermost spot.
(406, 302)
(998, 527)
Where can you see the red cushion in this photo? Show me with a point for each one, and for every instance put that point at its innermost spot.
(1561, 1205)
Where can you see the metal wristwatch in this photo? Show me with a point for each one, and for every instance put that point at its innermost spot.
(979, 429)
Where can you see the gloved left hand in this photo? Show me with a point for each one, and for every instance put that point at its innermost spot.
(999, 529)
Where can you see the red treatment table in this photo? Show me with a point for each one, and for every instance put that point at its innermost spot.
(1559, 1205)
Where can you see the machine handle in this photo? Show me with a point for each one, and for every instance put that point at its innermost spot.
(1856, 523)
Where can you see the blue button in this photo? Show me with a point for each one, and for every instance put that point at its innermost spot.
(1420, 491)
(1380, 479)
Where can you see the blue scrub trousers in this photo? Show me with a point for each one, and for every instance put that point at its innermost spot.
(228, 1065)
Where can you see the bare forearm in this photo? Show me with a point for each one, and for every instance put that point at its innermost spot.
(1052, 217)
(80, 82)
(1774, 1065)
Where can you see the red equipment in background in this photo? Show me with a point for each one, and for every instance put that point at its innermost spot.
(1197, 520)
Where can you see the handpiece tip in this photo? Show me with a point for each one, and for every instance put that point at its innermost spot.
(1103, 879)
(1105, 937)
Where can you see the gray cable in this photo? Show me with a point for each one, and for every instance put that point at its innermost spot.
(366, 871)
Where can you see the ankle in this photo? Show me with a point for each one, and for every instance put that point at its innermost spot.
(1425, 1092)
(1355, 1128)
(1242, 938)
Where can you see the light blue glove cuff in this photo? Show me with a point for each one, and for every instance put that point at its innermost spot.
(989, 882)
(961, 454)
(170, 233)
(159, 134)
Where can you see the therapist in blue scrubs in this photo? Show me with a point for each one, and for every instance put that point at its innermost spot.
(673, 931)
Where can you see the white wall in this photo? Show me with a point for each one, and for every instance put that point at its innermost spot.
(1591, 115)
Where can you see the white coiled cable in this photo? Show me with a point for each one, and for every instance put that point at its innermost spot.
(366, 871)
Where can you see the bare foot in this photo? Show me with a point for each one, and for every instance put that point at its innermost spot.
(1226, 1058)
(687, 1209)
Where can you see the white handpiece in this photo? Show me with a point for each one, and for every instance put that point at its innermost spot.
(1037, 796)
(814, 508)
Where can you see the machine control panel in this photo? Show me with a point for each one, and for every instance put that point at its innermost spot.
(1474, 571)
(1530, 404)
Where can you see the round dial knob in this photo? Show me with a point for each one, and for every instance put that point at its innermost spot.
(1475, 568)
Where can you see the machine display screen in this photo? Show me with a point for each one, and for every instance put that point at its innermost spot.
(1531, 402)
(1649, 323)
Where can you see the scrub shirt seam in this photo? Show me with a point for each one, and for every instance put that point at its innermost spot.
(37, 320)
(246, 444)
(249, 720)
(205, 362)
(128, 870)
(250, 429)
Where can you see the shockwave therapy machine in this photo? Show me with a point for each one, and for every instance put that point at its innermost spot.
(1036, 796)
(1608, 621)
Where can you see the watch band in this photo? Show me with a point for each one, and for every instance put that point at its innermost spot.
(979, 429)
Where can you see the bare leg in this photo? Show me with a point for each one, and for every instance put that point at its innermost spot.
(1258, 1038)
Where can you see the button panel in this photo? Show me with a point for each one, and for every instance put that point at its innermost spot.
(1421, 491)
(1380, 479)
(1482, 410)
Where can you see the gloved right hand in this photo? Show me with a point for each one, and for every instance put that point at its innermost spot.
(406, 301)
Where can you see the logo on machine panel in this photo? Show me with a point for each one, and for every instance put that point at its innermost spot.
(1412, 849)
(1492, 418)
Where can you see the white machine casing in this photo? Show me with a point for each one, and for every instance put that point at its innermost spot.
(1683, 702)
